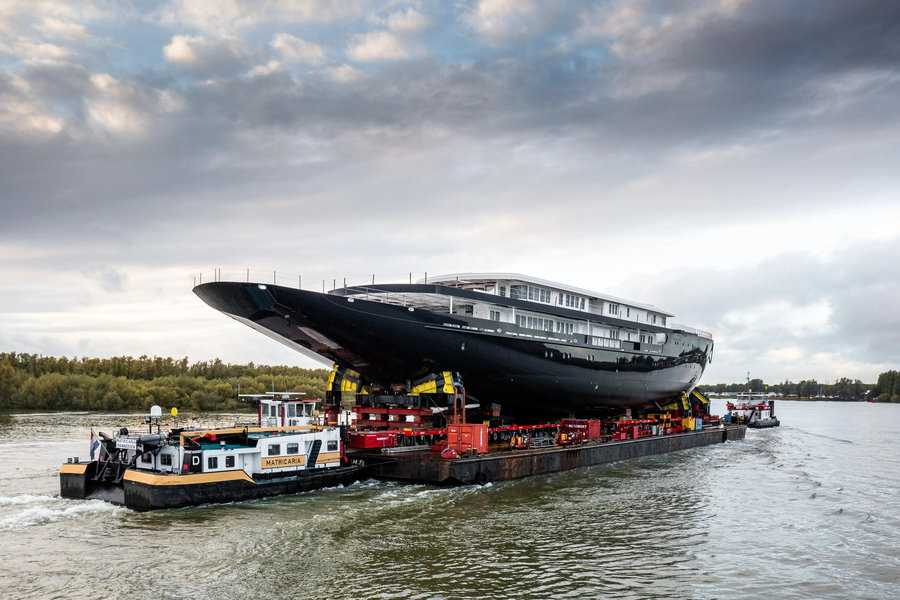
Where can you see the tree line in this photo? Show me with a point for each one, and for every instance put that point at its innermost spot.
(124, 383)
(887, 388)
(847, 389)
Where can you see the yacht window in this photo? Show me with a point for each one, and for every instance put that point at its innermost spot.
(527, 292)
(229, 461)
(165, 459)
(293, 448)
(212, 462)
(274, 449)
(332, 445)
(564, 327)
(534, 323)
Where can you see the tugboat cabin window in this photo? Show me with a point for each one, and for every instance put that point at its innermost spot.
(229, 461)
(332, 445)
(165, 459)
(495, 315)
(293, 448)
(292, 410)
(274, 449)
(613, 309)
(273, 410)
(146, 457)
(212, 462)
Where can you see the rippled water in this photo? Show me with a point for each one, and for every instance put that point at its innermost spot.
(808, 510)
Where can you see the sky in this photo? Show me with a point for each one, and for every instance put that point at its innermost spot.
(734, 162)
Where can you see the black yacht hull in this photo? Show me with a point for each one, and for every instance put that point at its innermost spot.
(527, 371)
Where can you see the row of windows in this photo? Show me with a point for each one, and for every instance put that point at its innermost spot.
(571, 301)
(530, 322)
(275, 449)
(562, 327)
(528, 292)
(294, 448)
(213, 462)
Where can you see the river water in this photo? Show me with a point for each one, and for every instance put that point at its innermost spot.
(807, 510)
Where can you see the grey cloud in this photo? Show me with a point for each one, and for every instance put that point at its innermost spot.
(861, 285)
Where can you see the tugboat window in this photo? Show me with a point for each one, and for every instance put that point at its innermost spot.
(332, 446)
(293, 448)
(165, 459)
(212, 462)
(229, 461)
(274, 449)
(146, 457)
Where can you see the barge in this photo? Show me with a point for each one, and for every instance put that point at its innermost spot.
(285, 452)
(429, 467)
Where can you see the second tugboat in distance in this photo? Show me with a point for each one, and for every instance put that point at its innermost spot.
(540, 348)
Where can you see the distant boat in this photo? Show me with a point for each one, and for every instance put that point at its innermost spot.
(535, 346)
(752, 410)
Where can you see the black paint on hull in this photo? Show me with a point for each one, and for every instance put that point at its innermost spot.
(499, 362)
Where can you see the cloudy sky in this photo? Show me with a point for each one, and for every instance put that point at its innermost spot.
(734, 162)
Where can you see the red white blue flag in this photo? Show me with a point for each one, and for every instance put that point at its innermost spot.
(95, 443)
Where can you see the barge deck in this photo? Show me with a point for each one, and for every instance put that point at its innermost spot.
(423, 466)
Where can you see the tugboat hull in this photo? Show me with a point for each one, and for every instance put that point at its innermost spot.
(143, 491)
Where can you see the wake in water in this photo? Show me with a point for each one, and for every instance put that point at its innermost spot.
(50, 509)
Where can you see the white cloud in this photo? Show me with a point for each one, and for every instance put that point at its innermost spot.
(227, 17)
(295, 50)
(44, 52)
(380, 46)
(399, 41)
(344, 73)
(501, 20)
(267, 69)
(63, 30)
(209, 57)
(409, 23)
(23, 112)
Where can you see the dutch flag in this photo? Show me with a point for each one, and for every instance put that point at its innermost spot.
(95, 443)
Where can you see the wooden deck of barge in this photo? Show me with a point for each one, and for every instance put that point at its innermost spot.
(428, 467)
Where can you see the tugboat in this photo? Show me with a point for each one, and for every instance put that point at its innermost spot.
(286, 452)
(752, 410)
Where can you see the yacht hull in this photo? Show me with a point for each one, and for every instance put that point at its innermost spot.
(528, 373)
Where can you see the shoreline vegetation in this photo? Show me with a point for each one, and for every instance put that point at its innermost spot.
(887, 389)
(122, 383)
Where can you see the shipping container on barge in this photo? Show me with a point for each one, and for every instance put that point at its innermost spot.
(285, 452)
